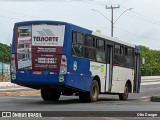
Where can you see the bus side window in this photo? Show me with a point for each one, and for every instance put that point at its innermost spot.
(119, 55)
(100, 53)
(77, 50)
(100, 56)
(80, 38)
(89, 53)
(101, 44)
(128, 57)
(130, 52)
(126, 51)
(89, 41)
(77, 44)
(89, 47)
(117, 49)
(121, 50)
(116, 54)
(74, 36)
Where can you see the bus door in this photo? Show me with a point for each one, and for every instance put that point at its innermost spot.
(137, 77)
(109, 62)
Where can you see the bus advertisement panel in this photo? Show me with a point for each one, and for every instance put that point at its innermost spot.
(38, 45)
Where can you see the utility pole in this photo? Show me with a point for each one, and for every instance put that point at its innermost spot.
(112, 8)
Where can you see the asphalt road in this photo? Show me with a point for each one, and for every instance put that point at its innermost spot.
(136, 102)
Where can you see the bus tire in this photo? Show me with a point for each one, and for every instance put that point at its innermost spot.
(92, 95)
(50, 95)
(124, 96)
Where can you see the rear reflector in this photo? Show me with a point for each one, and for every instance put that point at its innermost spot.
(63, 59)
(12, 58)
(20, 71)
(37, 72)
(53, 73)
(63, 66)
(68, 72)
(13, 65)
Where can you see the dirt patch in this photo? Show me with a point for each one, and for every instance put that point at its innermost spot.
(4, 78)
(20, 93)
(8, 87)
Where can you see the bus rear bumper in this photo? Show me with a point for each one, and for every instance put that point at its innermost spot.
(36, 79)
(39, 81)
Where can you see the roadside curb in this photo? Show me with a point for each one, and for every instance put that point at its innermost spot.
(20, 93)
(155, 98)
(146, 99)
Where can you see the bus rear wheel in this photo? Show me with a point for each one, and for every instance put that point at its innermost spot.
(92, 95)
(124, 96)
(50, 95)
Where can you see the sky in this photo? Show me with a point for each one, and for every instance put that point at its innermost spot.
(140, 25)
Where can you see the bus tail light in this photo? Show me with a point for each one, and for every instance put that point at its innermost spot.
(63, 66)
(13, 65)
(12, 58)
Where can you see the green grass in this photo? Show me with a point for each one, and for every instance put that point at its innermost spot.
(155, 98)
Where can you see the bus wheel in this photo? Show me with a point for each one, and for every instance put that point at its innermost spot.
(50, 95)
(124, 96)
(92, 95)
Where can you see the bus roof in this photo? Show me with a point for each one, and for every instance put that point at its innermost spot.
(113, 39)
(41, 22)
(82, 28)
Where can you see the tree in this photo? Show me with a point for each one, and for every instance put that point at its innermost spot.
(152, 61)
(5, 53)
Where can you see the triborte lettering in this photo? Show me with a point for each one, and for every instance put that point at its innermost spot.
(50, 39)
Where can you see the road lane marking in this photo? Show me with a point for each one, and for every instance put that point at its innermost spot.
(7, 84)
(19, 97)
(19, 93)
(150, 83)
(16, 89)
(145, 97)
(149, 80)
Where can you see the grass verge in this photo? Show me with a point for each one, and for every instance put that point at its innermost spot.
(155, 98)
